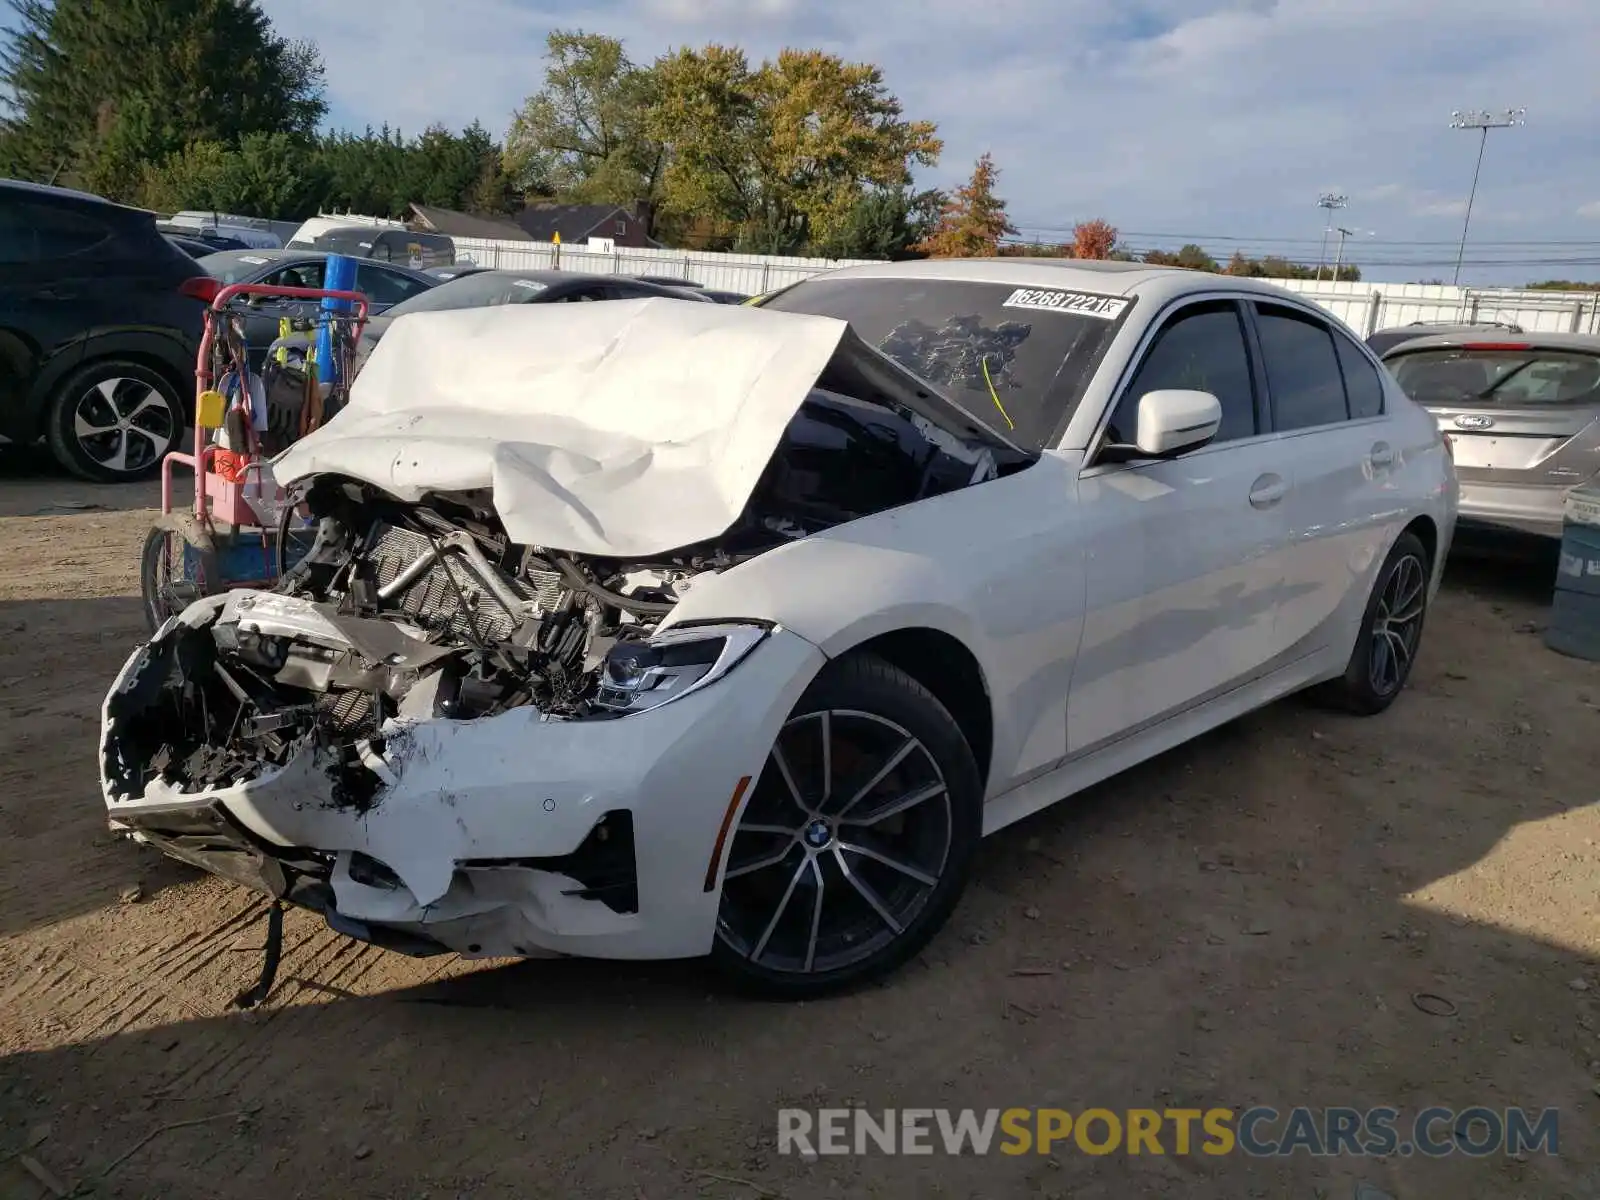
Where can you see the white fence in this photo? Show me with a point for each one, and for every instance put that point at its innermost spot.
(1364, 306)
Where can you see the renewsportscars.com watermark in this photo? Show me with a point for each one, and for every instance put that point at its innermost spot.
(1256, 1132)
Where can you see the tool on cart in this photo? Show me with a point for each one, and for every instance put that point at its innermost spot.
(241, 531)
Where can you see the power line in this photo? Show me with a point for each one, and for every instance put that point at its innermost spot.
(1201, 238)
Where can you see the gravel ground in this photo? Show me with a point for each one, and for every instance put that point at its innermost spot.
(1245, 921)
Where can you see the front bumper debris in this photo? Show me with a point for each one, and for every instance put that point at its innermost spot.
(515, 834)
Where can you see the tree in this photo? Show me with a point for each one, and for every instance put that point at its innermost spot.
(1094, 239)
(973, 220)
(583, 135)
(269, 173)
(97, 88)
(885, 223)
(780, 156)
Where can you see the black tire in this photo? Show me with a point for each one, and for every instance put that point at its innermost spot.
(891, 896)
(1365, 688)
(137, 412)
(177, 566)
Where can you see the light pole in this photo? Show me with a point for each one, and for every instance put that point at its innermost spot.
(1483, 122)
(1329, 201)
(1343, 233)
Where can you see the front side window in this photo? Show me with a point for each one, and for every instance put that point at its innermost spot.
(300, 275)
(1303, 376)
(1499, 377)
(1017, 358)
(1201, 349)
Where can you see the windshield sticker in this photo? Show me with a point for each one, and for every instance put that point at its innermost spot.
(533, 284)
(1089, 304)
(254, 262)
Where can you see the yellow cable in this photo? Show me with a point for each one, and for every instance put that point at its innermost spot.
(994, 395)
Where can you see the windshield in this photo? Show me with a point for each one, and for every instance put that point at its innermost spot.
(1505, 377)
(1017, 357)
(233, 266)
(479, 290)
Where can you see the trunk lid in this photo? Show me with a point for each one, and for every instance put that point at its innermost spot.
(1515, 413)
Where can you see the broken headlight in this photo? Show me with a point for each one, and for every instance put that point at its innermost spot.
(637, 676)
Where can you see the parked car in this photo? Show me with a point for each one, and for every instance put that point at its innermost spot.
(667, 281)
(455, 271)
(486, 289)
(1385, 340)
(1523, 412)
(100, 320)
(208, 237)
(415, 250)
(718, 296)
(656, 630)
(193, 248)
(384, 285)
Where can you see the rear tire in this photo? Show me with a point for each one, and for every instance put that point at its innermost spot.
(113, 421)
(857, 840)
(1391, 634)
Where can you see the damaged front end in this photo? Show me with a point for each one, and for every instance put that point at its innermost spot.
(441, 738)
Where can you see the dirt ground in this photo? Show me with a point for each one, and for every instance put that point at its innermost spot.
(1245, 921)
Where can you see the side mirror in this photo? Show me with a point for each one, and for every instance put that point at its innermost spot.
(1174, 420)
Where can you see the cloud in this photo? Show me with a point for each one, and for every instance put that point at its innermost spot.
(1590, 211)
(1202, 119)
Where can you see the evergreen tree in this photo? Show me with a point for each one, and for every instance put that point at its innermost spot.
(973, 220)
(96, 89)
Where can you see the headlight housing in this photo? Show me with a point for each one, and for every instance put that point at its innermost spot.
(638, 676)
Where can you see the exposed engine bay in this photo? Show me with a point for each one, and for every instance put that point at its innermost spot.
(404, 612)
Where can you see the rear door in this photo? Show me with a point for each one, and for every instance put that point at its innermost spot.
(1519, 416)
(1327, 410)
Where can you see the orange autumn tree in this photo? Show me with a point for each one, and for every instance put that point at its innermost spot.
(973, 221)
(1093, 239)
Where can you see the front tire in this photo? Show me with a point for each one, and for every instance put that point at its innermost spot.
(858, 838)
(1391, 633)
(113, 421)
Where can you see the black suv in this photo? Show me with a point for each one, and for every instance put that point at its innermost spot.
(100, 321)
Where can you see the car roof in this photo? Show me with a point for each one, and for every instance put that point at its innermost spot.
(1587, 343)
(1106, 276)
(297, 255)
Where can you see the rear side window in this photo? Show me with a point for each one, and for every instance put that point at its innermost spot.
(33, 233)
(1303, 373)
(1362, 385)
(386, 287)
(1501, 378)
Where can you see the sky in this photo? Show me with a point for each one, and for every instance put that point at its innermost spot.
(1215, 121)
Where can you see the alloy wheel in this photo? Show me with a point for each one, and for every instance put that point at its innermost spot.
(1397, 624)
(123, 425)
(840, 848)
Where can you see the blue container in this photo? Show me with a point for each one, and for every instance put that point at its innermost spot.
(339, 275)
(1574, 627)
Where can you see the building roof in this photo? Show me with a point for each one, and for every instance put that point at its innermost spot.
(574, 222)
(458, 224)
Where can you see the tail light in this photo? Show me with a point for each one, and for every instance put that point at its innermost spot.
(1450, 447)
(1475, 347)
(203, 288)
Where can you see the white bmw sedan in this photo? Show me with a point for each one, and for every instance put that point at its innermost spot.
(653, 630)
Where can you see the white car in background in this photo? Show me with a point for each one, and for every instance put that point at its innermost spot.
(653, 630)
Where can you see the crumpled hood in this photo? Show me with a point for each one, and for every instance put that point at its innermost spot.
(622, 429)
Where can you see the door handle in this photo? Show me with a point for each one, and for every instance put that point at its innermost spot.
(1382, 455)
(1267, 491)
